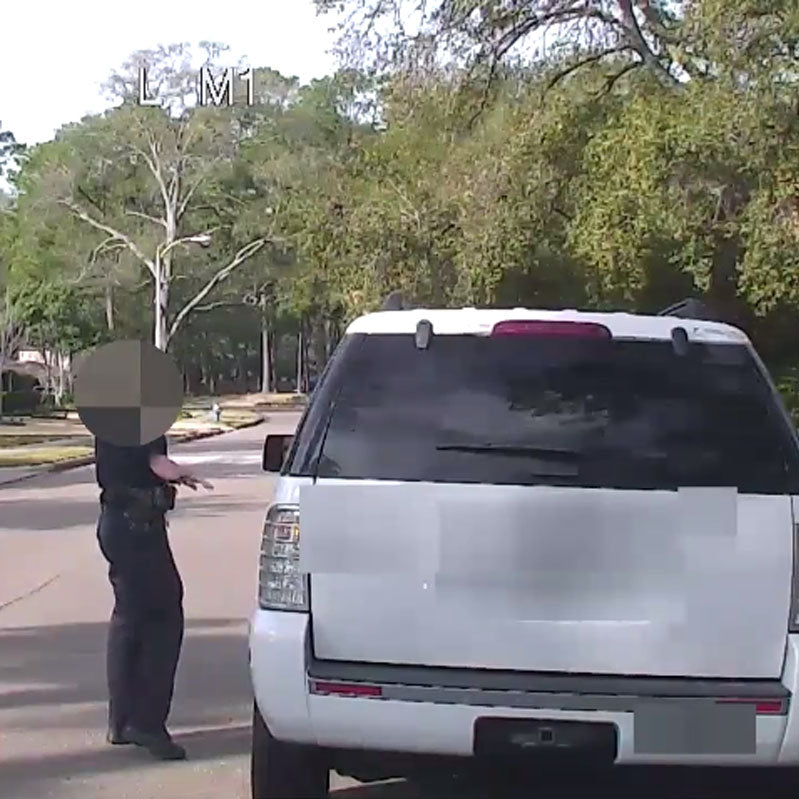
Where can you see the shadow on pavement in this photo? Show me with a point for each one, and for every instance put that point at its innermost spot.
(53, 701)
(53, 697)
(63, 666)
(55, 513)
(204, 745)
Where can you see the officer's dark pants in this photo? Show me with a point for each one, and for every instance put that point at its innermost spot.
(146, 629)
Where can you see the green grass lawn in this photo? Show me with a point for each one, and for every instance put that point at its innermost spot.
(237, 417)
(14, 452)
(42, 456)
(8, 441)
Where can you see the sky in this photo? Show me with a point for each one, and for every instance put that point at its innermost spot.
(55, 55)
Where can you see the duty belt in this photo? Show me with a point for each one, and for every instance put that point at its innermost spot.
(155, 499)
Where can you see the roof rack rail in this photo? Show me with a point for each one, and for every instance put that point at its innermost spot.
(690, 308)
(396, 302)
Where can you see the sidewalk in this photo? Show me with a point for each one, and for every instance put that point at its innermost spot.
(14, 474)
(253, 401)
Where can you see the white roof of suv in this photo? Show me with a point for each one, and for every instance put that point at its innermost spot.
(482, 320)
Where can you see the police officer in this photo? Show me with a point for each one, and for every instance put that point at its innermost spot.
(146, 629)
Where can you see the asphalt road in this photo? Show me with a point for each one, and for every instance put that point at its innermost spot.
(54, 606)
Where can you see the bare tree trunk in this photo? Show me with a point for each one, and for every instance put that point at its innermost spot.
(273, 342)
(300, 359)
(318, 358)
(69, 381)
(327, 328)
(242, 373)
(61, 386)
(163, 274)
(203, 372)
(161, 332)
(334, 336)
(266, 359)
(306, 361)
(109, 306)
(48, 370)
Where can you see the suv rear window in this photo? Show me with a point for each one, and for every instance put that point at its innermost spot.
(570, 412)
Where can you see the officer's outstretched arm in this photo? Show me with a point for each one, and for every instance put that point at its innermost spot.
(173, 472)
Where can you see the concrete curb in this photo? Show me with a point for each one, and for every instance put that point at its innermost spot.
(87, 460)
(281, 406)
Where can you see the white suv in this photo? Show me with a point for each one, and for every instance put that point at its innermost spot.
(531, 537)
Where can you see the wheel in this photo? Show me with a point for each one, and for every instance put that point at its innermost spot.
(280, 770)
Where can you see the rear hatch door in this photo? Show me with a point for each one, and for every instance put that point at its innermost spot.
(588, 506)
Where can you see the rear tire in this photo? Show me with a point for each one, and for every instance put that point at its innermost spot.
(280, 770)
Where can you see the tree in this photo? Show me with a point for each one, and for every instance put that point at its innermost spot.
(466, 168)
(9, 150)
(690, 162)
(704, 181)
(479, 35)
(12, 331)
(155, 185)
(449, 212)
(92, 211)
(303, 149)
(58, 325)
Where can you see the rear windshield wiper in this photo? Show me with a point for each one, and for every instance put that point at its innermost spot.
(512, 449)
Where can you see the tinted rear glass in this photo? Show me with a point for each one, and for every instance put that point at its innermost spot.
(571, 412)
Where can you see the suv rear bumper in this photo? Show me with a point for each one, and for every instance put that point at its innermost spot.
(440, 719)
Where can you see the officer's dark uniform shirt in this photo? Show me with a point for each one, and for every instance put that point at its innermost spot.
(127, 467)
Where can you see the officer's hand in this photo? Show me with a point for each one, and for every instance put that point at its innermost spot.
(192, 482)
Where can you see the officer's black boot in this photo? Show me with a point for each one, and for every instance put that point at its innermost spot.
(116, 728)
(116, 735)
(159, 744)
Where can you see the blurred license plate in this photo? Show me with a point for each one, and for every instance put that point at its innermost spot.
(534, 738)
(695, 727)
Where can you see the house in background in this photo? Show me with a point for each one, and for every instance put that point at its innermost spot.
(34, 370)
(23, 376)
(52, 359)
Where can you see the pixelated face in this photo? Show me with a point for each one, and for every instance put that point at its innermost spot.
(128, 392)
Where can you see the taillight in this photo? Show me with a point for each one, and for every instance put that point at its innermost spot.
(345, 688)
(281, 585)
(763, 707)
(793, 620)
(534, 327)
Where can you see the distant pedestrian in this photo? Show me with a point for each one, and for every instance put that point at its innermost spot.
(146, 630)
